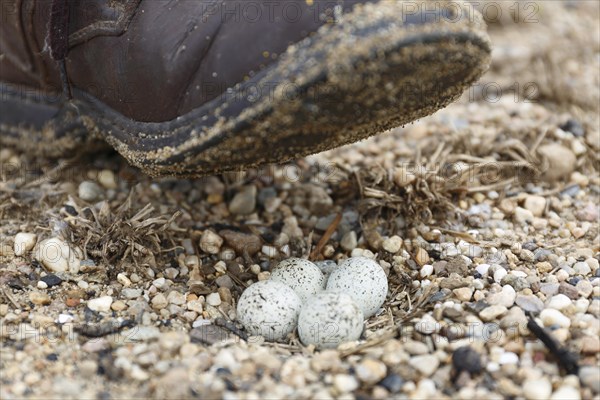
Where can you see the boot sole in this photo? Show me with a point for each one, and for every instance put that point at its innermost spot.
(328, 90)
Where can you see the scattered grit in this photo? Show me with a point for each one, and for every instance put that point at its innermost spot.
(484, 217)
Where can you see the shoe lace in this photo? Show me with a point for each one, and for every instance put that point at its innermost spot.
(59, 40)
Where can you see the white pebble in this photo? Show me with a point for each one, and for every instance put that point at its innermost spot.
(210, 242)
(64, 318)
(329, 319)
(392, 244)
(508, 357)
(582, 268)
(537, 389)
(56, 255)
(364, 280)
(89, 191)
(123, 280)
(304, 277)
(499, 274)
(426, 270)
(213, 299)
(42, 285)
(101, 304)
(107, 179)
(566, 393)
(550, 317)
(482, 269)
(269, 309)
(269, 251)
(24, 242)
(559, 302)
(159, 283)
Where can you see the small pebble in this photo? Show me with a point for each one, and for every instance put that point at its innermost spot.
(426, 270)
(107, 179)
(393, 383)
(552, 317)
(24, 242)
(269, 251)
(499, 274)
(529, 303)
(213, 299)
(582, 268)
(89, 191)
(123, 279)
(590, 377)
(244, 201)
(523, 216)
(537, 389)
(561, 161)
(210, 242)
(100, 304)
(56, 255)
(559, 302)
(345, 383)
(392, 244)
(566, 392)
(159, 301)
(535, 204)
(39, 298)
(482, 269)
(426, 364)
(371, 371)
(492, 312)
(508, 358)
(349, 241)
(506, 297)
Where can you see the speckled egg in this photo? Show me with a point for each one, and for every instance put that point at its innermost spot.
(269, 309)
(301, 275)
(364, 280)
(329, 319)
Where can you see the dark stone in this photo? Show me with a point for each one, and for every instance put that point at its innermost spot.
(209, 334)
(531, 246)
(571, 190)
(439, 268)
(477, 306)
(573, 126)
(541, 255)
(467, 359)
(71, 210)
(457, 265)
(51, 280)
(266, 193)
(393, 383)
(242, 243)
(568, 290)
(455, 281)
(52, 357)
(574, 281)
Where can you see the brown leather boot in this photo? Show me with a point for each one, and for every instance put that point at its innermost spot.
(192, 87)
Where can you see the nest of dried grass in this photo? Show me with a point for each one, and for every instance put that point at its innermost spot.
(124, 235)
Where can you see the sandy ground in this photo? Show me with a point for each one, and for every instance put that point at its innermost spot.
(484, 217)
